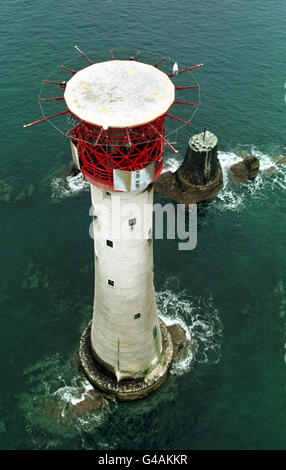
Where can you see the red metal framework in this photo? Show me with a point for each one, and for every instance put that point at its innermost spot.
(101, 151)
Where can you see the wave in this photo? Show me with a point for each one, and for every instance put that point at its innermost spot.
(69, 186)
(171, 164)
(233, 196)
(51, 407)
(55, 392)
(73, 394)
(201, 321)
(56, 400)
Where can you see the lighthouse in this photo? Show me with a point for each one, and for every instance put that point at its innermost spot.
(118, 145)
(118, 108)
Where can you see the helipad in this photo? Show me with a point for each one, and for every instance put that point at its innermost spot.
(119, 93)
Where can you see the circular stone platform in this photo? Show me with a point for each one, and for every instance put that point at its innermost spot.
(126, 390)
(183, 192)
(119, 93)
(203, 142)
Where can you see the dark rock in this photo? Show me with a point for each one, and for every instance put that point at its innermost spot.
(65, 413)
(168, 185)
(59, 171)
(179, 339)
(26, 193)
(93, 400)
(246, 169)
(281, 160)
(270, 171)
(199, 178)
(73, 171)
(76, 364)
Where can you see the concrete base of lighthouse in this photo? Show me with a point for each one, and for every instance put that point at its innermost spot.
(125, 390)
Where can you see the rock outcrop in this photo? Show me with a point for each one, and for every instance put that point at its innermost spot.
(246, 169)
(179, 339)
(168, 185)
(94, 400)
(199, 178)
(73, 171)
(281, 160)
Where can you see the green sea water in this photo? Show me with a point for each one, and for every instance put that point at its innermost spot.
(230, 292)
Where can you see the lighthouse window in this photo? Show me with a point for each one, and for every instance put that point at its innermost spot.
(132, 222)
(109, 243)
(107, 194)
(138, 315)
(155, 331)
(110, 282)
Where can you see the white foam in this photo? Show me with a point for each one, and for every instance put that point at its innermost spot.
(74, 394)
(233, 195)
(52, 382)
(201, 322)
(70, 395)
(69, 186)
(171, 164)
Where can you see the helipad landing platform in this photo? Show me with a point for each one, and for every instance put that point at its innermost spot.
(119, 94)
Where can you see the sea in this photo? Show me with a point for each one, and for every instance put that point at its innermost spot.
(229, 391)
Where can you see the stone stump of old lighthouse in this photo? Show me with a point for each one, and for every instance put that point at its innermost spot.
(199, 177)
(126, 349)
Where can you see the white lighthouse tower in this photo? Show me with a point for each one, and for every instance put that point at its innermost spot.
(119, 109)
(118, 146)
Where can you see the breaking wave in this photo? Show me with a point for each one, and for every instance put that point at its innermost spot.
(233, 196)
(171, 164)
(201, 321)
(69, 186)
(52, 403)
(57, 402)
(55, 393)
